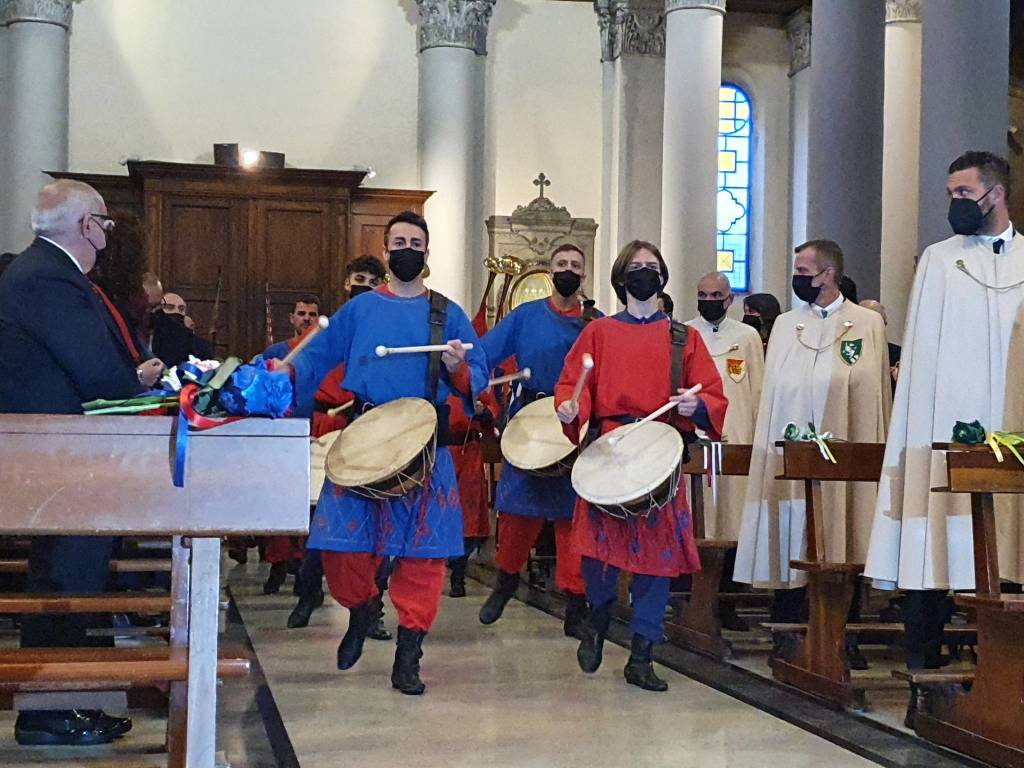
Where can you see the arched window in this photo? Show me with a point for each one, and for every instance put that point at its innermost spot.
(735, 129)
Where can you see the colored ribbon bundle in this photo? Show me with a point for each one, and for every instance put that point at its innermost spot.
(793, 432)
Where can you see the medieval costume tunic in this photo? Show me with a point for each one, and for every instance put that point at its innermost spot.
(631, 378)
(539, 336)
(957, 360)
(739, 356)
(827, 367)
(423, 527)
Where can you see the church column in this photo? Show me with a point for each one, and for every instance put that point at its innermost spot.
(693, 77)
(964, 105)
(798, 36)
(452, 43)
(36, 139)
(844, 152)
(900, 172)
(607, 241)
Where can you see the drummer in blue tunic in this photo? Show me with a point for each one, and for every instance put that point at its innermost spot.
(421, 529)
(539, 334)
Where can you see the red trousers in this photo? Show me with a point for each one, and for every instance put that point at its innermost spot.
(415, 584)
(281, 549)
(516, 536)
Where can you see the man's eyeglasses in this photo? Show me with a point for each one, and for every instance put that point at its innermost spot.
(106, 223)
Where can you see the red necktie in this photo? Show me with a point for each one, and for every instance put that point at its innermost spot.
(126, 335)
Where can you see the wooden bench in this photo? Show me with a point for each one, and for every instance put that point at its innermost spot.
(141, 565)
(247, 477)
(926, 684)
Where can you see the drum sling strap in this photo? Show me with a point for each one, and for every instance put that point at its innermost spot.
(437, 318)
(679, 335)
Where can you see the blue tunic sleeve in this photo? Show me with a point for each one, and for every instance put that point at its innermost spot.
(499, 343)
(327, 349)
(459, 327)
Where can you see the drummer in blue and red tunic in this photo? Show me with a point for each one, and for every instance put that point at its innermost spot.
(421, 529)
(539, 334)
(631, 378)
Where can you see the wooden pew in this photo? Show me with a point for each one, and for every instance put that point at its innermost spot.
(819, 666)
(111, 475)
(988, 722)
(698, 626)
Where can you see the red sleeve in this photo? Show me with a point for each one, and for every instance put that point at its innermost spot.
(460, 380)
(571, 371)
(699, 368)
(330, 392)
(490, 402)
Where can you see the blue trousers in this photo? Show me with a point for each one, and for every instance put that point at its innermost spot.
(648, 594)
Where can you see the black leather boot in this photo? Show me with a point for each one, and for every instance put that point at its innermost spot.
(575, 616)
(458, 579)
(405, 674)
(591, 649)
(360, 619)
(300, 615)
(377, 630)
(495, 604)
(278, 573)
(639, 670)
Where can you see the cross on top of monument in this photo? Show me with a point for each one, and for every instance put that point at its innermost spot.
(541, 182)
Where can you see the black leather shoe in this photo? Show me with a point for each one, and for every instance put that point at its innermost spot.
(360, 619)
(60, 728)
(405, 674)
(458, 588)
(278, 573)
(379, 632)
(591, 650)
(495, 603)
(300, 615)
(575, 616)
(639, 670)
(118, 726)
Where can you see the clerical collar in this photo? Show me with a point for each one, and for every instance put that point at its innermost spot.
(1002, 238)
(831, 309)
(58, 245)
(625, 317)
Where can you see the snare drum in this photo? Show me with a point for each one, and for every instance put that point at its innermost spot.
(637, 474)
(387, 452)
(534, 441)
(318, 449)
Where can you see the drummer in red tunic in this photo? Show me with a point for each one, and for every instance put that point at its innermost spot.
(631, 378)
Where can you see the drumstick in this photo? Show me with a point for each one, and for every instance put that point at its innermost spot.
(383, 351)
(614, 439)
(588, 366)
(321, 323)
(332, 412)
(523, 374)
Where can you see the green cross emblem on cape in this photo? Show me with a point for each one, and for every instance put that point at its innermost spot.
(850, 350)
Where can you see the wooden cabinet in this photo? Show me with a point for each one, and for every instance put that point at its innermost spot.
(268, 237)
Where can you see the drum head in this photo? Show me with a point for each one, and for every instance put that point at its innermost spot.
(534, 439)
(633, 467)
(381, 442)
(318, 448)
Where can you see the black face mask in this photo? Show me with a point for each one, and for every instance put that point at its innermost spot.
(566, 282)
(804, 290)
(406, 263)
(753, 321)
(641, 284)
(356, 290)
(965, 215)
(711, 310)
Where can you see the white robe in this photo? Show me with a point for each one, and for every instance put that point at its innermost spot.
(953, 368)
(739, 356)
(852, 401)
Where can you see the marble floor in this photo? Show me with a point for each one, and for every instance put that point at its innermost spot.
(506, 695)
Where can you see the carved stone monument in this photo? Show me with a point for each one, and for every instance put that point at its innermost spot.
(520, 246)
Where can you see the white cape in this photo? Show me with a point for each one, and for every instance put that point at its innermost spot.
(838, 391)
(739, 356)
(953, 368)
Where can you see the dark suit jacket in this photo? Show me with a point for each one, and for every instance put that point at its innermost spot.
(59, 345)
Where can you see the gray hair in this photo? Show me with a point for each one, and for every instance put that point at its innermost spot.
(61, 205)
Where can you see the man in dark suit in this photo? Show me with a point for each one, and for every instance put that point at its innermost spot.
(895, 350)
(63, 344)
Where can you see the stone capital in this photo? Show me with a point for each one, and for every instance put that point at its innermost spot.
(455, 24)
(902, 11)
(688, 5)
(798, 37)
(59, 12)
(631, 28)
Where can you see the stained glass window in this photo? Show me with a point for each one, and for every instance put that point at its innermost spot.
(735, 129)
